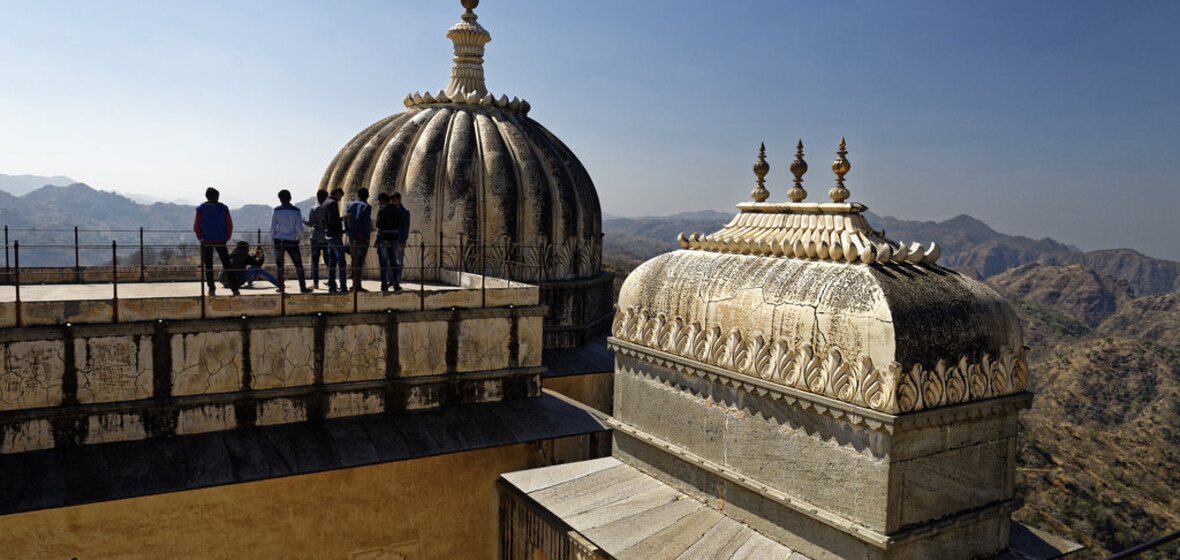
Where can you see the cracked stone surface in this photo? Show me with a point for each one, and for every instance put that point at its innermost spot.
(32, 374)
(354, 353)
(282, 357)
(206, 363)
(110, 369)
(422, 348)
(483, 344)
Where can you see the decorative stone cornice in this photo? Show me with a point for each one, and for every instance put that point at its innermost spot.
(891, 388)
(835, 231)
(472, 98)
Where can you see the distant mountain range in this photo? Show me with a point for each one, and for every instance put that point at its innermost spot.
(22, 184)
(105, 216)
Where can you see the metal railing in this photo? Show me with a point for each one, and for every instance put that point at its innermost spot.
(142, 262)
(1145, 547)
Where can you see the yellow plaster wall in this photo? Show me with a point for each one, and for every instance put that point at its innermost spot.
(595, 390)
(436, 507)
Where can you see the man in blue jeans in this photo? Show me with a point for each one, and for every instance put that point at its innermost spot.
(403, 235)
(389, 222)
(319, 247)
(358, 224)
(333, 237)
(285, 225)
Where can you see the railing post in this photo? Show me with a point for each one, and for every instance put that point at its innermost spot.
(5, 252)
(115, 280)
(201, 275)
(460, 255)
(141, 264)
(77, 260)
(508, 259)
(281, 264)
(16, 274)
(438, 261)
(483, 278)
(259, 243)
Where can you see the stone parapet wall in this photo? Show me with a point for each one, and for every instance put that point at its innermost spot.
(494, 293)
(825, 477)
(579, 310)
(83, 384)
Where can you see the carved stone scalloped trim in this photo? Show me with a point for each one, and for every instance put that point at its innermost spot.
(890, 388)
(831, 232)
(853, 415)
(470, 98)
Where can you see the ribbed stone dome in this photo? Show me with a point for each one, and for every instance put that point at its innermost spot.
(475, 167)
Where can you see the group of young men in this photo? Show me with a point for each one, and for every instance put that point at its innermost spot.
(214, 228)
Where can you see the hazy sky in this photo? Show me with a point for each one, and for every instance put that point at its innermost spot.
(1058, 119)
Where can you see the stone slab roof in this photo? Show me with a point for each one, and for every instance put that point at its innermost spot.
(629, 514)
(592, 357)
(94, 473)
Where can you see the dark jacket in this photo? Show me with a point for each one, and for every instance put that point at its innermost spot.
(239, 260)
(333, 225)
(405, 232)
(389, 223)
(213, 223)
(358, 220)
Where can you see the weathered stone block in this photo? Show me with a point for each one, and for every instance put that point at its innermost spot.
(279, 411)
(422, 348)
(31, 374)
(108, 428)
(30, 435)
(114, 368)
(282, 357)
(354, 403)
(938, 485)
(483, 344)
(150, 309)
(208, 418)
(354, 353)
(530, 338)
(206, 363)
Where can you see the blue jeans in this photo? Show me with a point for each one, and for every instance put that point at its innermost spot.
(401, 264)
(319, 250)
(336, 265)
(257, 272)
(387, 254)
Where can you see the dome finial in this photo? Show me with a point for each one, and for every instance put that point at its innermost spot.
(469, 38)
(798, 168)
(841, 167)
(761, 168)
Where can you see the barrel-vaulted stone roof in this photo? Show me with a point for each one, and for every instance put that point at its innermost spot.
(472, 165)
(808, 296)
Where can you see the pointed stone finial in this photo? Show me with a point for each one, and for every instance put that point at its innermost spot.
(798, 168)
(841, 167)
(469, 38)
(761, 168)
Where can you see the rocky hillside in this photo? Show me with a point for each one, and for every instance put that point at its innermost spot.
(1100, 448)
(102, 217)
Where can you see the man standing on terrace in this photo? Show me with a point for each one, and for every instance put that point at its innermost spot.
(285, 225)
(213, 227)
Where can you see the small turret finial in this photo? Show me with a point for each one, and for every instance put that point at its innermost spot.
(761, 168)
(798, 168)
(841, 167)
(469, 38)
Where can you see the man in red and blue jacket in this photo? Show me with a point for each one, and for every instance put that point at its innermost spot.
(213, 227)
